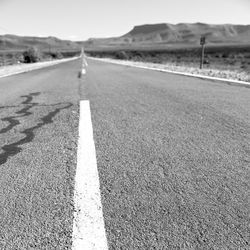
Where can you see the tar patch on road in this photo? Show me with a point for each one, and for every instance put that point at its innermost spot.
(12, 149)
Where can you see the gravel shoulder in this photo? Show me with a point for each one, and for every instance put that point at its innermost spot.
(24, 67)
(240, 76)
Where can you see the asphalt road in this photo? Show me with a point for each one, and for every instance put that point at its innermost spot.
(173, 157)
(38, 140)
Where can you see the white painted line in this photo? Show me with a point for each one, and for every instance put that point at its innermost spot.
(83, 71)
(88, 228)
(171, 72)
(84, 62)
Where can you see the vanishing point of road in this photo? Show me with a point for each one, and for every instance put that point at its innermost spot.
(173, 158)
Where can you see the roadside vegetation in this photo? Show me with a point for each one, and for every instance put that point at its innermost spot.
(33, 55)
(231, 62)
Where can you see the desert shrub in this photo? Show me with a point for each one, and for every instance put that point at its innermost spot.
(224, 55)
(121, 55)
(19, 57)
(206, 61)
(56, 55)
(70, 53)
(32, 55)
(59, 55)
(154, 60)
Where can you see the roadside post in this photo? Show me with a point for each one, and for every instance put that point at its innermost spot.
(4, 55)
(202, 43)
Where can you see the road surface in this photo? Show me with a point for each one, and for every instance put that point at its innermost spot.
(38, 137)
(173, 157)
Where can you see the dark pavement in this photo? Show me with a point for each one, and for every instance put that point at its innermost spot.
(38, 140)
(173, 156)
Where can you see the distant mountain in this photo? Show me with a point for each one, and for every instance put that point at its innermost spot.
(13, 42)
(182, 33)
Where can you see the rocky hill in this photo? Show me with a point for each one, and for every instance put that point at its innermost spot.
(182, 33)
(13, 42)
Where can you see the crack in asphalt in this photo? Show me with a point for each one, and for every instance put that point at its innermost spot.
(14, 148)
(13, 121)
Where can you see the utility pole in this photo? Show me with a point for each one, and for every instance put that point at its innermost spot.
(202, 43)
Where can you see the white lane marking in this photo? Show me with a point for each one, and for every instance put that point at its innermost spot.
(88, 228)
(84, 62)
(130, 64)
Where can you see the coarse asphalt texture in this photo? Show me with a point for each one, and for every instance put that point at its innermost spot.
(173, 156)
(38, 141)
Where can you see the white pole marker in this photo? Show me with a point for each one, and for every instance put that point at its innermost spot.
(88, 227)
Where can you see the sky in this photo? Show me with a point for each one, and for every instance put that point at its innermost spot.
(83, 19)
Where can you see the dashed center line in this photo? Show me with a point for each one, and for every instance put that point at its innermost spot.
(88, 226)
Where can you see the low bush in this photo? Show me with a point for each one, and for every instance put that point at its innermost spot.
(32, 55)
(56, 55)
(121, 55)
(19, 58)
